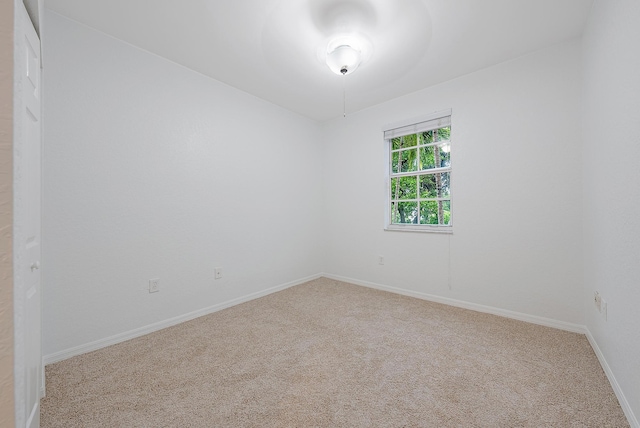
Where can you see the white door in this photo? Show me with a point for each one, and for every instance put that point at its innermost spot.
(29, 193)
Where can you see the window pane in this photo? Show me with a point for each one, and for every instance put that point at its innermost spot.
(435, 212)
(394, 162)
(409, 160)
(426, 137)
(427, 158)
(404, 212)
(435, 156)
(404, 142)
(444, 184)
(428, 186)
(435, 185)
(446, 211)
(409, 141)
(443, 152)
(404, 188)
(404, 161)
(428, 212)
(442, 134)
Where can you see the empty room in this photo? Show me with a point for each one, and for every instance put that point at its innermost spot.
(320, 213)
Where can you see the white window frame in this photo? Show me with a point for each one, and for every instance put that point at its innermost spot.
(408, 127)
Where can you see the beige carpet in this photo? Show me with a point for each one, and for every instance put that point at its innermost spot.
(331, 354)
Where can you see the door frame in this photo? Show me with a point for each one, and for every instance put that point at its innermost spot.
(21, 21)
(7, 120)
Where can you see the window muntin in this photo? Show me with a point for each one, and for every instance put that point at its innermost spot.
(419, 176)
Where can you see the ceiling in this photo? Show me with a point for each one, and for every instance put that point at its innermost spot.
(275, 49)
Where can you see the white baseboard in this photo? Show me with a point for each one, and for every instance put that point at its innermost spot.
(626, 408)
(548, 322)
(121, 337)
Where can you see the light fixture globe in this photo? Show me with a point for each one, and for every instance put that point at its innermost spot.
(344, 59)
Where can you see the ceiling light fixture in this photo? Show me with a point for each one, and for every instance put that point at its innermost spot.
(343, 58)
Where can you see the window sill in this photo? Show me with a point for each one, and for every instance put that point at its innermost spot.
(420, 229)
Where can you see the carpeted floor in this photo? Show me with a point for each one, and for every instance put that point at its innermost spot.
(331, 354)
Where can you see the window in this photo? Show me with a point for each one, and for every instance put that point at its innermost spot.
(419, 174)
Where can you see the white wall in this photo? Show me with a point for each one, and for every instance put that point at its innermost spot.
(611, 187)
(516, 191)
(152, 170)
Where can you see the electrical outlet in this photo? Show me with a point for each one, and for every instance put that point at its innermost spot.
(217, 273)
(603, 308)
(154, 285)
(380, 260)
(597, 300)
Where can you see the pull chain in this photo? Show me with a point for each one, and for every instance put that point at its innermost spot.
(344, 96)
(344, 92)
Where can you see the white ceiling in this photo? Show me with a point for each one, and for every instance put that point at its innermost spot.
(274, 49)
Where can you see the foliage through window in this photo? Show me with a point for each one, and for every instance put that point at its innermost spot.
(420, 175)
